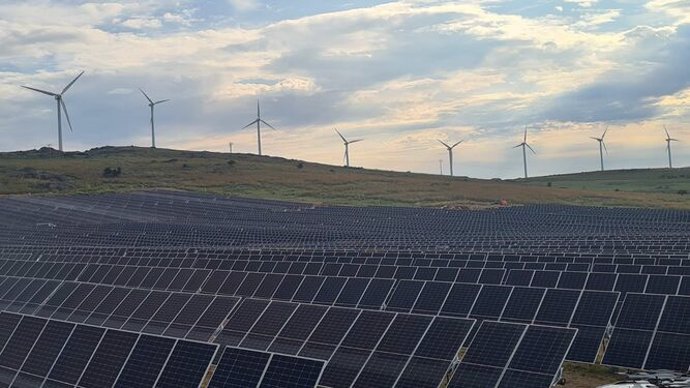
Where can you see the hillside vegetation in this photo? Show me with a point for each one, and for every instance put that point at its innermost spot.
(47, 171)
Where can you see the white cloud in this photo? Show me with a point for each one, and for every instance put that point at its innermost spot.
(142, 23)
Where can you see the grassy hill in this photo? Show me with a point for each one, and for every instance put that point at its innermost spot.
(47, 171)
(660, 180)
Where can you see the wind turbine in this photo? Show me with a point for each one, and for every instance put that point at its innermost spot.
(347, 147)
(60, 106)
(601, 144)
(450, 153)
(524, 152)
(151, 105)
(258, 122)
(668, 146)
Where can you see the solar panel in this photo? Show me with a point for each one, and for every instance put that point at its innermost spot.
(352, 292)
(557, 307)
(513, 355)
(627, 348)
(239, 368)
(291, 372)
(366, 332)
(21, 341)
(431, 298)
(344, 366)
(542, 350)
(669, 351)
(545, 279)
(460, 299)
(601, 281)
(519, 277)
(186, 365)
(268, 325)
(145, 362)
(47, 348)
(523, 304)
(404, 295)
(76, 354)
(108, 359)
(595, 308)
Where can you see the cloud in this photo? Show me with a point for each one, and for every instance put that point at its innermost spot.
(398, 73)
(244, 5)
(142, 23)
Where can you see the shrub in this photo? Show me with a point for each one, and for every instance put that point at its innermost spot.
(682, 192)
(112, 172)
(300, 165)
(548, 184)
(231, 162)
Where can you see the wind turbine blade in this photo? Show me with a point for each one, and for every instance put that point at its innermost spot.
(453, 146)
(531, 149)
(666, 130)
(525, 139)
(355, 141)
(595, 138)
(250, 124)
(341, 135)
(161, 101)
(604, 144)
(64, 109)
(519, 145)
(446, 145)
(146, 95)
(268, 125)
(604, 134)
(69, 85)
(40, 91)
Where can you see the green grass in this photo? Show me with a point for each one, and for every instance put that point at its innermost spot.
(49, 172)
(642, 180)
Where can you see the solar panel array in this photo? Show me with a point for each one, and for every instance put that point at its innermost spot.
(513, 355)
(298, 295)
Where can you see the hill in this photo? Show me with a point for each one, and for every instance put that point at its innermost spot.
(659, 180)
(47, 171)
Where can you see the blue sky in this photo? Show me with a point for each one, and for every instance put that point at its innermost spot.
(400, 74)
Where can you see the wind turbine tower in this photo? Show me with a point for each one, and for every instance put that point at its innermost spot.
(258, 123)
(524, 145)
(602, 146)
(347, 147)
(152, 105)
(230, 146)
(450, 153)
(668, 147)
(60, 106)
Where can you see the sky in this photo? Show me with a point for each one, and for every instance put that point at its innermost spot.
(399, 74)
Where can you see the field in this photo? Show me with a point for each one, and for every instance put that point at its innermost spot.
(47, 171)
(641, 181)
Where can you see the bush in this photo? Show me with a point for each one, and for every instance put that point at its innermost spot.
(548, 184)
(231, 162)
(682, 192)
(300, 165)
(112, 172)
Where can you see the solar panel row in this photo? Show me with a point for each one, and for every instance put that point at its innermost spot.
(354, 342)
(513, 355)
(652, 332)
(197, 316)
(38, 351)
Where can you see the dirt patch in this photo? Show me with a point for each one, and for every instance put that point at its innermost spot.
(588, 376)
